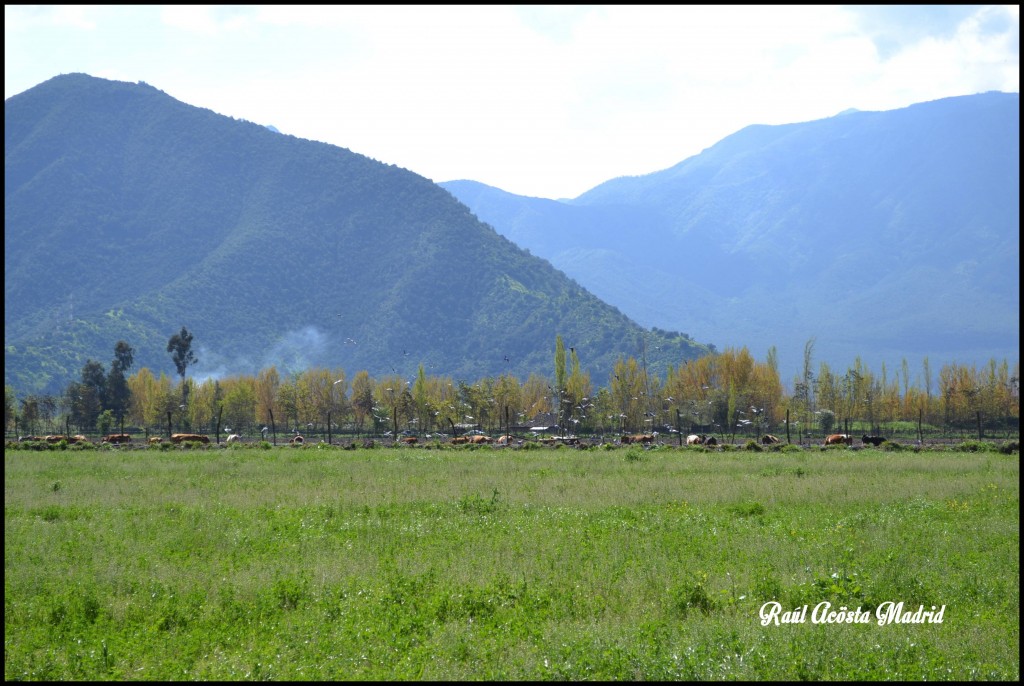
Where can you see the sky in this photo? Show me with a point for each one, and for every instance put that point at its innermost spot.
(539, 100)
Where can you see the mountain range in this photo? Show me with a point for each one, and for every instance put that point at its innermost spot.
(129, 215)
(885, 236)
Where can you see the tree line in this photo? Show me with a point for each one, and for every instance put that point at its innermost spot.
(728, 393)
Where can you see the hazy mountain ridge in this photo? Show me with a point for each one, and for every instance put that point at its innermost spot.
(129, 214)
(880, 234)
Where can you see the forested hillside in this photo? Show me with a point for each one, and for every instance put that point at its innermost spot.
(881, 235)
(129, 214)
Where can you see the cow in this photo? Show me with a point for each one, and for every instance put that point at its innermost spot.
(234, 438)
(480, 440)
(189, 438)
(768, 439)
(410, 440)
(710, 440)
(839, 439)
(117, 439)
(154, 440)
(297, 440)
(873, 440)
(504, 439)
(694, 439)
(459, 440)
(638, 438)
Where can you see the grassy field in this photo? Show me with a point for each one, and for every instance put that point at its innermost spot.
(499, 564)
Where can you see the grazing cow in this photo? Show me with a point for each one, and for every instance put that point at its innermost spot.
(459, 440)
(297, 440)
(694, 439)
(410, 440)
(710, 440)
(638, 438)
(839, 439)
(768, 439)
(117, 439)
(234, 438)
(481, 439)
(30, 438)
(873, 440)
(189, 438)
(153, 440)
(504, 439)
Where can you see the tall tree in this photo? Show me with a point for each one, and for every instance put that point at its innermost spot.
(180, 347)
(124, 356)
(118, 395)
(10, 405)
(559, 362)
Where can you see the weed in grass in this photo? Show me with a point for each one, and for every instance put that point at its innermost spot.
(748, 509)
(692, 594)
(634, 455)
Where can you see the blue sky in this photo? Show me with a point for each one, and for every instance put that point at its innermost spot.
(547, 101)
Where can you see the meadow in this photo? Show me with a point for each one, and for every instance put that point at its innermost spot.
(470, 564)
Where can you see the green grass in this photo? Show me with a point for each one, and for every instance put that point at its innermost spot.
(496, 564)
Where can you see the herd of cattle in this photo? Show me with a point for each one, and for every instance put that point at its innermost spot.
(297, 440)
(120, 439)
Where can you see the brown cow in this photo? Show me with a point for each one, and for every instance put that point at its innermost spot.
(839, 439)
(481, 439)
(189, 438)
(153, 440)
(638, 438)
(297, 440)
(768, 439)
(410, 440)
(459, 440)
(117, 439)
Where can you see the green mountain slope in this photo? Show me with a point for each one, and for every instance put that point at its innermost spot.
(884, 235)
(129, 214)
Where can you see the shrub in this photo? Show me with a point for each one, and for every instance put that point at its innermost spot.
(978, 446)
(634, 455)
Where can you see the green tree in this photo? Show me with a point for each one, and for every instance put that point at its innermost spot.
(180, 347)
(559, 363)
(362, 397)
(118, 395)
(124, 356)
(10, 405)
(29, 414)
